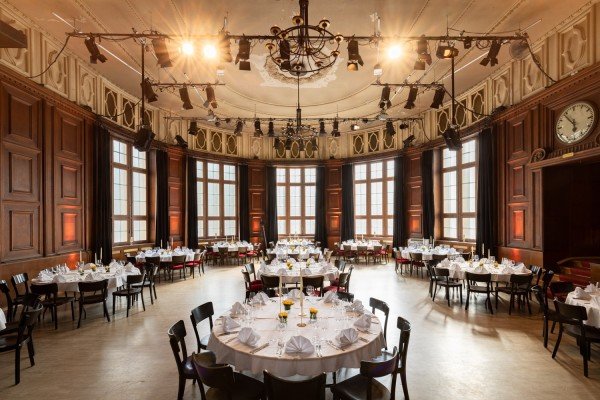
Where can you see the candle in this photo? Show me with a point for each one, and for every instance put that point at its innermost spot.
(161, 243)
(100, 254)
(482, 249)
(79, 255)
(301, 295)
(280, 289)
(488, 253)
(95, 259)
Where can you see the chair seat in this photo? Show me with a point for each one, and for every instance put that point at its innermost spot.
(356, 388)
(124, 292)
(254, 287)
(244, 388)
(11, 327)
(178, 266)
(591, 334)
(206, 358)
(478, 289)
(418, 263)
(448, 283)
(402, 260)
(333, 289)
(251, 253)
(93, 299)
(8, 342)
(60, 301)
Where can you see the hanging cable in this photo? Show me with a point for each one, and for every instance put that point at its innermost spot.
(53, 61)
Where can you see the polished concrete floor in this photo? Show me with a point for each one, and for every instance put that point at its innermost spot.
(453, 354)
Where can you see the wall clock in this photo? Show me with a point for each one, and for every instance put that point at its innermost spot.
(576, 122)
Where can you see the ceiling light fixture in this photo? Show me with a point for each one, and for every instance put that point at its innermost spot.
(389, 128)
(162, 54)
(243, 54)
(354, 58)
(184, 95)
(322, 130)
(452, 138)
(187, 48)
(193, 129)
(209, 51)
(423, 55)
(412, 96)
(492, 56)
(377, 70)
(271, 131)
(239, 126)
(210, 97)
(335, 132)
(408, 141)
(95, 54)
(224, 48)
(354, 126)
(181, 141)
(438, 97)
(385, 102)
(395, 51)
(147, 91)
(257, 130)
(446, 51)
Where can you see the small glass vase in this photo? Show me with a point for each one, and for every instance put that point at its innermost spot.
(287, 307)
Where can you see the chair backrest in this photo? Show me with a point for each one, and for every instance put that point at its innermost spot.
(242, 249)
(571, 314)
(95, 286)
(405, 328)
(416, 256)
(153, 260)
(346, 296)
(223, 250)
(340, 265)
(20, 280)
(177, 335)
(441, 272)
(377, 248)
(199, 314)
(295, 256)
(151, 271)
(377, 369)
(247, 280)
(361, 248)
(271, 256)
(536, 274)
(219, 377)
(178, 259)
(438, 257)
(269, 281)
(347, 247)
(47, 289)
(541, 298)
(382, 306)
(547, 277)
(314, 281)
(9, 302)
(519, 280)
(343, 279)
(283, 389)
(561, 288)
(473, 277)
(131, 259)
(133, 279)
(27, 322)
(250, 269)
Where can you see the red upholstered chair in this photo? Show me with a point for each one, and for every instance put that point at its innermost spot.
(400, 261)
(250, 287)
(178, 264)
(343, 282)
(256, 283)
(242, 254)
(253, 254)
(197, 262)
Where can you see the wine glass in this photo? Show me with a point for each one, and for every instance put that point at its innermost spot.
(310, 290)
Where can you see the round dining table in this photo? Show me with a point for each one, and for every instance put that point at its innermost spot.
(266, 354)
(328, 271)
(591, 304)
(69, 282)
(499, 272)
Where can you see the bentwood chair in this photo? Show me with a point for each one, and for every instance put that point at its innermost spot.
(549, 315)
(154, 261)
(93, 293)
(270, 283)
(314, 281)
(382, 306)
(23, 336)
(150, 271)
(561, 289)
(518, 287)
(416, 262)
(226, 384)
(473, 287)
(251, 289)
(20, 284)
(400, 261)
(574, 317)
(442, 278)
(283, 389)
(346, 296)
(178, 264)
(30, 301)
(223, 254)
(199, 314)
(134, 288)
(185, 363)
(52, 300)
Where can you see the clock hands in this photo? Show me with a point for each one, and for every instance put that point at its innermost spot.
(572, 121)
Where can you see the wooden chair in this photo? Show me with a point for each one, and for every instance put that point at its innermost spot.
(9, 301)
(382, 306)
(52, 300)
(93, 297)
(270, 283)
(405, 328)
(20, 284)
(134, 288)
(549, 315)
(561, 289)
(314, 281)
(30, 301)
(376, 254)
(346, 296)
(518, 287)
(242, 254)
(178, 264)
(361, 251)
(185, 363)
(223, 254)
(416, 262)
(442, 278)
(283, 389)
(150, 271)
(226, 384)
(150, 261)
(473, 287)
(199, 314)
(251, 289)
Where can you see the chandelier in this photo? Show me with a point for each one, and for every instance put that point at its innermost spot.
(302, 48)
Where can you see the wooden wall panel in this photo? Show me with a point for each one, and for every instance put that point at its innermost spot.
(412, 195)
(176, 187)
(257, 193)
(333, 201)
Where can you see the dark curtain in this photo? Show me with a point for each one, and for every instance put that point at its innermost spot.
(102, 192)
(399, 222)
(320, 217)
(427, 193)
(486, 192)
(347, 231)
(271, 223)
(162, 198)
(192, 204)
(244, 207)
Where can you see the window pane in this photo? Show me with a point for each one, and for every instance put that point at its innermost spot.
(468, 190)
(199, 170)
(139, 194)
(119, 192)
(214, 228)
(390, 227)
(310, 175)
(376, 170)
(120, 231)
(229, 205)
(119, 152)
(280, 175)
(281, 227)
(295, 227)
(468, 152)
(213, 200)
(376, 198)
(309, 200)
(391, 168)
(360, 172)
(229, 172)
(449, 185)
(140, 231)
(230, 227)
(200, 198)
(295, 175)
(377, 227)
(201, 232)
(390, 197)
(213, 170)
(448, 158)
(295, 201)
(309, 227)
(450, 228)
(469, 228)
(360, 226)
(360, 199)
(281, 205)
(139, 158)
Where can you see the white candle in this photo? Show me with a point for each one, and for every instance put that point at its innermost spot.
(100, 254)
(161, 243)
(482, 249)
(488, 253)
(79, 255)
(95, 259)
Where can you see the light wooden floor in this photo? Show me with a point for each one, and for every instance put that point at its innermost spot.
(453, 354)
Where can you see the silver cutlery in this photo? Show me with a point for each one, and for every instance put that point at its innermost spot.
(256, 350)
(232, 339)
(363, 339)
(228, 333)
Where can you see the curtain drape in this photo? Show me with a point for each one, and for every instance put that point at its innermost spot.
(399, 222)
(192, 204)
(102, 192)
(320, 215)
(243, 191)
(162, 198)
(347, 229)
(271, 223)
(486, 192)
(427, 193)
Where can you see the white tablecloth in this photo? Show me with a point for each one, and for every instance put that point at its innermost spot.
(428, 255)
(73, 278)
(500, 273)
(233, 247)
(591, 305)
(371, 244)
(165, 257)
(230, 350)
(293, 275)
(2, 320)
(295, 242)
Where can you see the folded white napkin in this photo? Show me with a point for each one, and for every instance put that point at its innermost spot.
(44, 277)
(479, 269)
(460, 260)
(282, 272)
(90, 277)
(454, 266)
(591, 288)
(59, 278)
(229, 324)
(237, 309)
(445, 263)
(260, 297)
(299, 345)
(114, 264)
(89, 266)
(520, 268)
(329, 296)
(596, 301)
(363, 323)
(357, 306)
(581, 294)
(347, 336)
(295, 294)
(483, 260)
(305, 272)
(248, 336)
(507, 269)
(129, 267)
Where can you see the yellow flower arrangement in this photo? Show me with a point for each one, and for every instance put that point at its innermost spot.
(283, 314)
(313, 310)
(287, 303)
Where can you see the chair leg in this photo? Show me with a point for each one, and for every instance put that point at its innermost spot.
(128, 305)
(545, 332)
(114, 302)
(181, 388)
(106, 310)
(80, 313)
(560, 331)
(460, 291)
(17, 365)
(448, 295)
(468, 297)
(510, 306)
(404, 384)
(31, 352)
(73, 310)
(584, 353)
(142, 296)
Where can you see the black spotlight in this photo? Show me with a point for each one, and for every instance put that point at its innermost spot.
(288, 144)
(446, 51)
(243, 55)
(412, 96)
(467, 42)
(148, 91)
(452, 139)
(492, 55)
(438, 97)
(385, 102)
(403, 125)
(143, 139)
(314, 144)
(322, 127)
(193, 129)
(239, 126)
(225, 48)
(257, 131)
(162, 54)
(210, 97)
(95, 54)
(389, 128)
(408, 141)
(217, 122)
(276, 143)
(354, 58)
(284, 54)
(181, 141)
(335, 132)
(271, 131)
(423, 55)
(184, 95)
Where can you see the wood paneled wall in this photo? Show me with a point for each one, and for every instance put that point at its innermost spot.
(177, 184)
(333, 201)
(257, 198)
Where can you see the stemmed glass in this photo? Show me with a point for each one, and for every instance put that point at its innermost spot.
(310, 291)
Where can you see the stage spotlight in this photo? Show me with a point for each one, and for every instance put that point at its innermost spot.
(354, 126)
(423, 55)
(377, 70)
(438, 97)
(181, 141)
(271, 131)
(210, 97)
(224, 48)
(492, 55)
(452, 139)
(419, 65)
(209, 51)
(239, 126)
(322, 130)
(408, 141)
(354, 58)
(243, 55)
(389, 128)
(148, 91)
(193, 129)
(257, 131)
(187, 48)
(395, 51)
(382, 116)
(467, 42)
(403, 125)
(184, 95)
(385, 102)
(162, 54)
(143, 139)
(284, 54)
(446, 51)
(95, 54)
(276, 143)
(217, 122)
(335, 132)
(412, 96)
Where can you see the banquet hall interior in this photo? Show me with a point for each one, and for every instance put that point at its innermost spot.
(294, 199)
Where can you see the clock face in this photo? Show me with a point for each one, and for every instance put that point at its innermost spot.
(575, 122)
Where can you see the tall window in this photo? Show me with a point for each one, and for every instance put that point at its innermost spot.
(296, 196)
(459, 182)
(130, 181)
(216, 197)
(374, 198)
